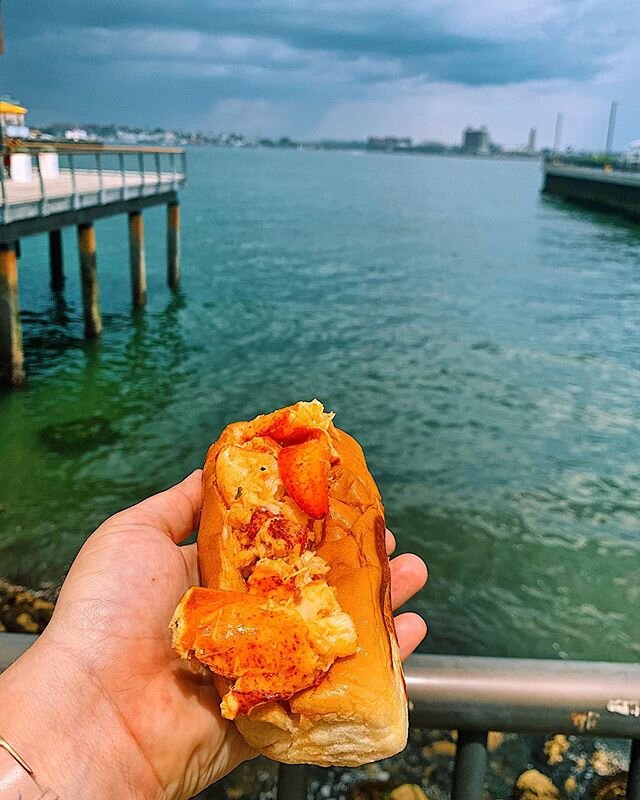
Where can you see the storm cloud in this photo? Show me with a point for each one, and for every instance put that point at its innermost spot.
(289, 66)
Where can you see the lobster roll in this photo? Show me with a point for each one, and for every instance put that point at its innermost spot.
(293, 617)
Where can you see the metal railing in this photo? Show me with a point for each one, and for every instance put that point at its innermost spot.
(477, 695)
(72, 176)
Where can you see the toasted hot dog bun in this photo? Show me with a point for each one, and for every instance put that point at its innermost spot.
(352, 708)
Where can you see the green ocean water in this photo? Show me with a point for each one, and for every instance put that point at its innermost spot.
(482, 342)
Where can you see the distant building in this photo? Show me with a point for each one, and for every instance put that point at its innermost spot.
(632, 152)
(76, 135)
(388, 143)
(531, 144)
(12, 122)
(475, 141)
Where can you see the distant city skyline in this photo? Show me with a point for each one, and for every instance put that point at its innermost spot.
(325, 69)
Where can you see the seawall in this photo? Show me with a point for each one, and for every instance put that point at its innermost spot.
(610, 190)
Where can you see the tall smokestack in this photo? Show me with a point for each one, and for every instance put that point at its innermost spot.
(612, 126)
(558, 134)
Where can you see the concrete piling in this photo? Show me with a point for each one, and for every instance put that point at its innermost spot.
(89, 278)
(11, 357)
(56, 261)
(137, 259)
(173, 245)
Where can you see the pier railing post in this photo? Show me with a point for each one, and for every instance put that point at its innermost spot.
(43, 195)
(100, 177)
(173, 244)
(136, 259)
(56, 260)
(3, 191)
(74, 186)
(89, 278)
(11, 358)
(141, 171)
(470, 766)
(172, 167)
(123, 176)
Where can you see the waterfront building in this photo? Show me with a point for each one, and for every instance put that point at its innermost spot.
(76, 135)
(475, 141)
(12, 126)
(632, 152)
(388, 143)
(531, 143)
(12, 120)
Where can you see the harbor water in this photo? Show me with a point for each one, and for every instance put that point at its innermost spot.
(482, 342)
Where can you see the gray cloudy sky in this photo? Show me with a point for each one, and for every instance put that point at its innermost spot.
(330, 68)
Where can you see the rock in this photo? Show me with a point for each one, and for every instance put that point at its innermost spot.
(439, 749)
(533, 785)
(494, 740)
(27, 623)
(408, 791)
(369, 790)
(555, 748)
(606, 763)
(612, 787)
(23, 610)
(570, 785)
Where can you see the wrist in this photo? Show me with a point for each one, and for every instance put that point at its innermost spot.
(55, 714)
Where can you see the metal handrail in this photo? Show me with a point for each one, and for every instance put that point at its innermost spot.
(129, 162)
(474, 695)
(90, 147)
(525, 695)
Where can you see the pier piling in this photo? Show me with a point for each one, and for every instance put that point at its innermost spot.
(11, 358)
(56, 260)
(173, 245)
(89, 278)
(137, 260)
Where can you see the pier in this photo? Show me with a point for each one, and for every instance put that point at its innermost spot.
(45, 187)
(605, 187)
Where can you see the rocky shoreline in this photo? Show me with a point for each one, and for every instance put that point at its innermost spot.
(25, 610)
(520, 767)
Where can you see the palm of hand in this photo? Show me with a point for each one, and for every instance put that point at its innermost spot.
(125, 585)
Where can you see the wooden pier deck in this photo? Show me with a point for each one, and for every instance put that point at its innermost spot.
(82, 189)
(85, 183)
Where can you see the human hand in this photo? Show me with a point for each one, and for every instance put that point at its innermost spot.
(101, 705)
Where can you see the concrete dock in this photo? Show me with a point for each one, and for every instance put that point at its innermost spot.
(605, 188)
(45, 187)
